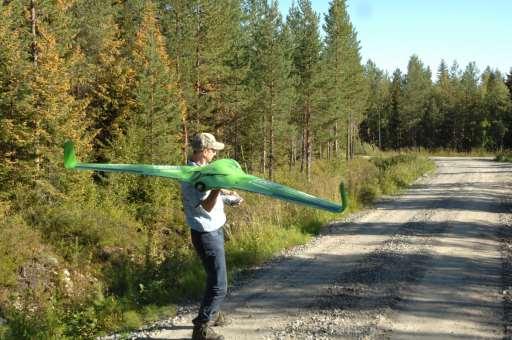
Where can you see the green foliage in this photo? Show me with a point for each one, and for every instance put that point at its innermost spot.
(344, 87)
(378, 86)
(270, 78)
(24, 324)
(104, 76)
(15, 231)
(303, 24)
(129, 81)
(461, 111)
(504, 157)
(416, 95)
(368, 180)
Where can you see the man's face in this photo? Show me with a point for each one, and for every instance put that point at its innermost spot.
(209, 154)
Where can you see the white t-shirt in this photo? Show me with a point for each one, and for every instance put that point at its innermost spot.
(196, 216)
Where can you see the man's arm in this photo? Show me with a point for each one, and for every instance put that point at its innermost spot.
(209, 202)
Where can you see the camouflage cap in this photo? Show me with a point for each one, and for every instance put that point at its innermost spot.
(203, 141)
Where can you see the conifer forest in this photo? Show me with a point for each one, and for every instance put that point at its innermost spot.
(130, 81)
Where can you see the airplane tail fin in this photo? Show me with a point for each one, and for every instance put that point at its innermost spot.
(69, 155)
(344, 197)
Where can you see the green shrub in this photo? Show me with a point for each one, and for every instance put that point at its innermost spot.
(17, 244)
(35, 322)
(504, 157)
(369, 192)
(400, 171)
(131, 320)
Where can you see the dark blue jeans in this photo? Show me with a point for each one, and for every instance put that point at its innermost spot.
(210, 248)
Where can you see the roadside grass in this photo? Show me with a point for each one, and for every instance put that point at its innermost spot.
(505, 156)
(443, 152)
(124, 274)
(436, 152)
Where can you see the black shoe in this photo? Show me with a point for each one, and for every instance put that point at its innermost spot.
(220, 320)
(205, 332)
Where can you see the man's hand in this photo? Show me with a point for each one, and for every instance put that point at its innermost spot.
(232, 197)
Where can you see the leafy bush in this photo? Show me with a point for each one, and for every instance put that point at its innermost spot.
(504, 157)
(399, 171)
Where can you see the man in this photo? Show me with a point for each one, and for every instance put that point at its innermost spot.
(204, 212)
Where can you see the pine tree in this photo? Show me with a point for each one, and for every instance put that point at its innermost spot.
(444, 96)
(234, 94)
(46, 106)
(428, 134)
(106, 80)
(270, 82)
(460, 115)
(56, 115)
(303, 22)
(496, 105)
(508, 136)
(395, 125)
(149, 132)
(178, 25)
(345, 88)
(378, 86)
(129, 18)
(470, 104)
(204, 38)
(508, 82)
(416, 95)
(16, 135)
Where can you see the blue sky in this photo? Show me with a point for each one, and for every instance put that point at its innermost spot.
(390, 31)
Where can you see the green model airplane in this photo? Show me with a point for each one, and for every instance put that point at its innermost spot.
(223, 173)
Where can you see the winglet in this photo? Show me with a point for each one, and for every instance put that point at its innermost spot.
(344, 197)
(69, 155)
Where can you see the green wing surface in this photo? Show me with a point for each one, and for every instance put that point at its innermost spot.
(180, 173)
(276, 190)
(227, 174)
(223, 173)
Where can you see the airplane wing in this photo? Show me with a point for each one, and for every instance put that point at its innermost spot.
(180, 173)
(261, 186)
(224, 173)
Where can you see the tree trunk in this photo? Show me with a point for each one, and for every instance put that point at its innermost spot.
(271, 136)
(33, 21)
(197, 64)
(347, 153)
(185, 137)
(243, 158)
(179, 83)
(336, 145)
(353, 141)
(308, 138)
(380, 137)
(35, 56)
(303, 143)
(310, 156)
(263, 160)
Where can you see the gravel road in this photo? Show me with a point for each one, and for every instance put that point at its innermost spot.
(432, 263)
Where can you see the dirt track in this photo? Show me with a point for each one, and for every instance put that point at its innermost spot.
(431, 263)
